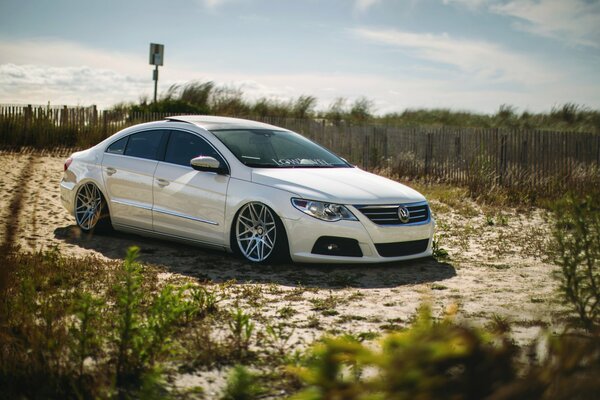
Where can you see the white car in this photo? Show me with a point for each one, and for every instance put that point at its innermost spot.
(246, 187)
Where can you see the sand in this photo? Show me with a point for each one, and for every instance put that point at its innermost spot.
(491, 270)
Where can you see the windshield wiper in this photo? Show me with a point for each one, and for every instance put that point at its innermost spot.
(258, 165)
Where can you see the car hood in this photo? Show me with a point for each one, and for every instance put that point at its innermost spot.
(337, 185)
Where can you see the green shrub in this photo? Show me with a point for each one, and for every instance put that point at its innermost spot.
(430, 360)
(49, 326)
(577, 252)
(144, 331)
(241, 329)
(57, 335)
(241, 385)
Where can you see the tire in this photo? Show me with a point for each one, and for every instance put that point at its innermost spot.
(258, 235)
(91, 210)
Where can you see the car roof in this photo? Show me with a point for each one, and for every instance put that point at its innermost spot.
(209, 122)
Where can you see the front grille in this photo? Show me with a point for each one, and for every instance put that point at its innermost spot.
(388, 214)
(399, 249)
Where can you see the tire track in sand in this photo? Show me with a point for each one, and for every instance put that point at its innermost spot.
(11, 227)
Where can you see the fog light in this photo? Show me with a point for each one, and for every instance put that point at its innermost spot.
(337, 246)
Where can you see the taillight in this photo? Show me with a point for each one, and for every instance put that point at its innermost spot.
(68, 162)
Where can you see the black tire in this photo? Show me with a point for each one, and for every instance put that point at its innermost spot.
(251, 236)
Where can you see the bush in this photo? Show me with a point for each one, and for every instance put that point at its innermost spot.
(428, 361)
(241, 385)
(577, 252)
(446, 360)
(57, 336)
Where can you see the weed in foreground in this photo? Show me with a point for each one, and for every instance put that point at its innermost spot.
(241, 329)
(438, 252)
(447, 360)
(241, 385)
(85, 328)
(577, 251)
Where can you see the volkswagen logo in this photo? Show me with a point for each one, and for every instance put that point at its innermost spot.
(403, 214)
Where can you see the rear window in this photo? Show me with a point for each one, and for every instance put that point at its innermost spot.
(118, 147)
(145, 144)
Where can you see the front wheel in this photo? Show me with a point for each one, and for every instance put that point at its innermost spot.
(259, 235)
(91, 212)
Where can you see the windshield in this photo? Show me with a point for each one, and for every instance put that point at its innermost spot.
(264, 148)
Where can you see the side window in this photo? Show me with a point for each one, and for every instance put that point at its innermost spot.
(118, 147)
(145, 144)
(184, 146)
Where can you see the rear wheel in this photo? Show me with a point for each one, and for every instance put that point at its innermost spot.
(259, 235)
(91, 211)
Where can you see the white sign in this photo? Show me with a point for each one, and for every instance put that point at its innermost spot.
(157, 52)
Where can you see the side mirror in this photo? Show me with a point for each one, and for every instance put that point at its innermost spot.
(208, 164)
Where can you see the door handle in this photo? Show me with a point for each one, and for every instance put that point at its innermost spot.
(110, 170)
(162, 182)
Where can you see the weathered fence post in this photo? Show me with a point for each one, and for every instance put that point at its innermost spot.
(457, 160)
(366, 152)
(64, 116)
(28, 112)
(104, 123)
(428, 153)
(94, 121)
(503, 159)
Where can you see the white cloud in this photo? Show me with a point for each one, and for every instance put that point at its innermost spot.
(574, 21)
(467, 3)
(363, 5)
(34, 84)
(68, 73)
(37, 84)
(481, 60)
(60, 53)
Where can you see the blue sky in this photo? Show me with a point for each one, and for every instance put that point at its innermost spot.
(461, 54)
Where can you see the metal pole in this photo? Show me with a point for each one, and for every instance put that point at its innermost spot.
(155, 76)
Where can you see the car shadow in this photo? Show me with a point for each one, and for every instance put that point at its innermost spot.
(218, 266)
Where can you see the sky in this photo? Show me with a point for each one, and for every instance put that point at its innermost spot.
(467, 55)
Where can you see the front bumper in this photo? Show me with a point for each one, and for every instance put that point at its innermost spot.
(304, 232)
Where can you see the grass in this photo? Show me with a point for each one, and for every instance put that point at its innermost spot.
(446, 359)
(70, 314)
(326, 305)
(164, 328)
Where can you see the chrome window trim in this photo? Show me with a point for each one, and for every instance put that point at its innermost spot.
(180, 215)
(131, 204)
(163, 161)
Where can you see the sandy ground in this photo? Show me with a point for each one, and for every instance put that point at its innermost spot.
(491, 269)
(495, 264)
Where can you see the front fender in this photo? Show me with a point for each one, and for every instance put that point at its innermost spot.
(241, 192)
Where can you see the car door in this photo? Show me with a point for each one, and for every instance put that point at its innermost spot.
(189, 203)
(128, 169)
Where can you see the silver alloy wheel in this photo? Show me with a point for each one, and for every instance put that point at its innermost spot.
(256, 231)
(88, 206)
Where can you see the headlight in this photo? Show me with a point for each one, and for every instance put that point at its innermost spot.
(324, 211)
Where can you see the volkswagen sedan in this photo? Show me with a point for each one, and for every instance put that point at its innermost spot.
(263, 192)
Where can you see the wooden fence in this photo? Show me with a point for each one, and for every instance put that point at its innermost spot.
(527, 159)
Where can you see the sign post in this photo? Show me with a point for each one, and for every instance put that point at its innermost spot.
(157, 52)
